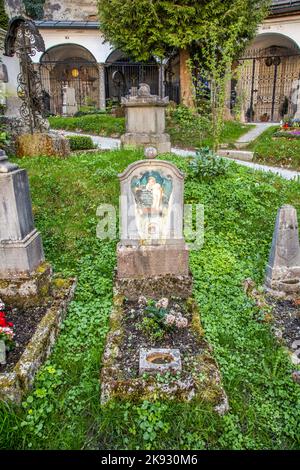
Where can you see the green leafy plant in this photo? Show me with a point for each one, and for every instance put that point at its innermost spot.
(207, 164)
(81, 142)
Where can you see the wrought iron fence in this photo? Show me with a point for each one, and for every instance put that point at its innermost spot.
(72, 83)
(268, 83)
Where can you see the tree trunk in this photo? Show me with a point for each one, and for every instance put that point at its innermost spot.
(186, 81)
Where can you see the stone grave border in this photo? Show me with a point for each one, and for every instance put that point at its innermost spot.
(115, 386)
(15, 384)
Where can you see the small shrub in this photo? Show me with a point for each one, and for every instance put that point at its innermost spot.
(208, 164)
(80, 142)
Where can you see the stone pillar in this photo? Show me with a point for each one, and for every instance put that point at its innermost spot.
(102, 97)
(145, 120)
(283, 269)
(24, 276)
(161, 81)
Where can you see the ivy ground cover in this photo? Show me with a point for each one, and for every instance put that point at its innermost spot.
(63, 410)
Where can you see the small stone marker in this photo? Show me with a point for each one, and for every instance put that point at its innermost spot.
(2, 353)
(283, 270)
(154, 361)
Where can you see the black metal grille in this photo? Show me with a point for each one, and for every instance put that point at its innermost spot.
(81, 76)
(121, 76)
(269, 84)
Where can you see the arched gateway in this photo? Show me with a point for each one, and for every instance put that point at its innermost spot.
(267, 84)
(70, 78)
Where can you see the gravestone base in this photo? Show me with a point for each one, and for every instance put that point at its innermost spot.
(155, 271)
(285, 282)
(151, 260)
(283, 270)
(27, 289)
(42, 144)
(155, 287)
(135, 139)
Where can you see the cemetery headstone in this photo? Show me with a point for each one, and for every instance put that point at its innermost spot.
(24, 276)
(145, 120)
(152, 256)
(2, 353)
(69, 101)
(283, 269)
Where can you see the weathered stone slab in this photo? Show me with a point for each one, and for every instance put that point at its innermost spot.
(151, 261)
(155, 287)
(28, 288)
(243, 155)
(16, 383)
(283, 269)
(42, 144)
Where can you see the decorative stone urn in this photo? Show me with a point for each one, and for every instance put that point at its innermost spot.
(145, 120)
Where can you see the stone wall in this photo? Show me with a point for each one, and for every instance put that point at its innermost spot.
(80, 10)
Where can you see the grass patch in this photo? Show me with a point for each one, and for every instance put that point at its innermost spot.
(98, 124)
(193, 135)
(188, 132)
(277, 151)
(63, 410)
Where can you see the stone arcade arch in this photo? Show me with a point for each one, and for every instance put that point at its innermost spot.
(70, 78)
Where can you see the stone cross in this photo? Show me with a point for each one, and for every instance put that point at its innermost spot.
(283, 269)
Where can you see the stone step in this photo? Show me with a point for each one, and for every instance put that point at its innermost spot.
(243, 155)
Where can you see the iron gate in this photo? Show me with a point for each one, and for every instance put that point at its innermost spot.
(78, 78)
(268, 84)
(121, 76)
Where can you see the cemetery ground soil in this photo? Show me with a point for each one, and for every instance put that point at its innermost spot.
(63, 409)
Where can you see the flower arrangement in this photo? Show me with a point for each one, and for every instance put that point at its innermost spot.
(160, 313)
(6, 328)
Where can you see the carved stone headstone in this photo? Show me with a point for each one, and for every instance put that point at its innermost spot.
(145, 120)
(69, 101)
(283, 270)
(23, 273)
(2, 353)
(152, 253)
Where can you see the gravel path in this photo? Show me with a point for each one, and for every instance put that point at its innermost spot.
(107, 143)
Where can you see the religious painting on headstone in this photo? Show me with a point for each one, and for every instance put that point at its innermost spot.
(152, 191)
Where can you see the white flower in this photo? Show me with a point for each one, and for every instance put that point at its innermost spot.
(142, 301)
(181, 322)
(2, 305)
(170, 319)
(162, 303)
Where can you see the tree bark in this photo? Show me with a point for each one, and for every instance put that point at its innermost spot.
(186, 81)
